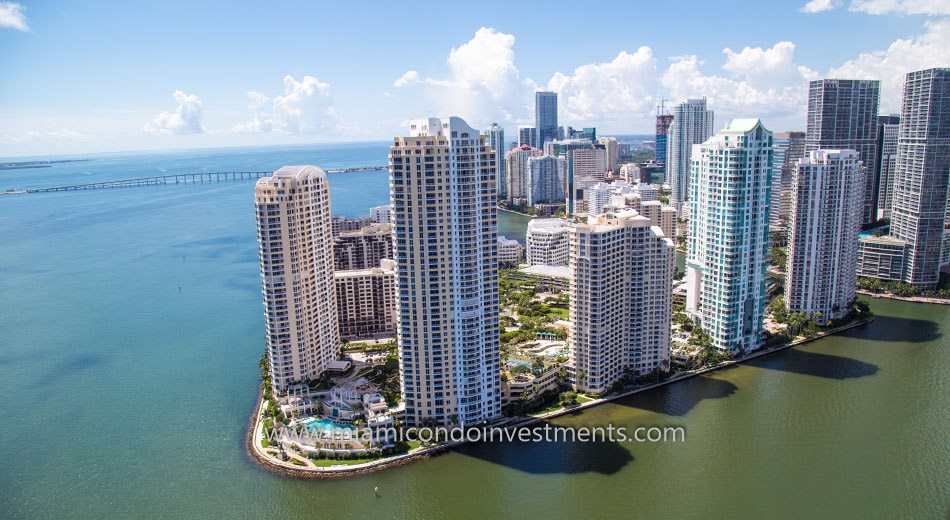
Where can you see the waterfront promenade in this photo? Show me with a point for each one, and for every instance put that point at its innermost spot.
(267, 456)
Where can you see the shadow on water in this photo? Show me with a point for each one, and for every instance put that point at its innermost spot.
(554, 453)
(76, 364)
(815, 364)
(898, 329)
(679, 398)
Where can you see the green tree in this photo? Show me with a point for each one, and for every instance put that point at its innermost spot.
(778, 310)
(568, 398)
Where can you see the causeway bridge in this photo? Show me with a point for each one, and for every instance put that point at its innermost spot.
(180, 178)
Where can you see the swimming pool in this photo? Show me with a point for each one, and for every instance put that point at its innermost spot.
(324, 424)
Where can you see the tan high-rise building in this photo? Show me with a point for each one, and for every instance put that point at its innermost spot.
(611, 147)
(442, 179)
(621, 299)
(366, 301)
(363, 249)
(661, 215)
(294, 243)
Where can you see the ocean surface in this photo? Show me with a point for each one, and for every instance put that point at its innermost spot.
(131, 327)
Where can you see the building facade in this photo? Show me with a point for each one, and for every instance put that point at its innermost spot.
(919, 211)
(547, 241)
(610, 148)
(381, 214)
(597, 196)
(516, 164)
(545, 179)
(789, 148)
(363, 249)
(692, 124)
(443, 190)
(661, 215)
(340, 224)
(366, 301)
(587, 166)
(881, 257)
(663, 122)
(728, 240)
(826, 218)
(621, 297)
(294, 240)
(509, 252)
(496, 140)
(527, 136)
(545, 117)
(842, 115)
(887, 129)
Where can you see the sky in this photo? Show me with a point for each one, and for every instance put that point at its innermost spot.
(90, 77)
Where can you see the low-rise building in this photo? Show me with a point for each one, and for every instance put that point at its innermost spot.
(881, 257)
(528, 384)
(509, 252)
(548, 241)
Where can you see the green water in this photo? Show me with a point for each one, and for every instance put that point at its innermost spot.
(130, 334)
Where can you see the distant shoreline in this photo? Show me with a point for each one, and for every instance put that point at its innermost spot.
(23, 165)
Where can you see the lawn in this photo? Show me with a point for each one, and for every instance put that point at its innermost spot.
(326, 463)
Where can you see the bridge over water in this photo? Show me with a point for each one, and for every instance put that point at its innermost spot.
(181, 178)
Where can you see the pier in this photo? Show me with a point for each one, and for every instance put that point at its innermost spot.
(181, 178)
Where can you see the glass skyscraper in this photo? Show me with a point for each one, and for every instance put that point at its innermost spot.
(496, 140)
(842, 115)
(919, 211)
(663, 122)
(545, 117)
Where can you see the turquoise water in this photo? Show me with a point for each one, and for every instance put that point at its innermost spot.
(326, 425)
(131, 328)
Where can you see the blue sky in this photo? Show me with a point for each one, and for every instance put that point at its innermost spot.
(107, 76)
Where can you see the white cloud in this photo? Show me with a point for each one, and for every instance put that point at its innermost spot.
(66, 133)
(410, 77)
(186, 119)
(304, 108)
(763, 83)
(483, 83)
(618, 93)
(61, 134)
(902, 56)
(926, 7)
(817, 6)
(12, 16)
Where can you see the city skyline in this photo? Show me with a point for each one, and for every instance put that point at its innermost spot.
(487, 71)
